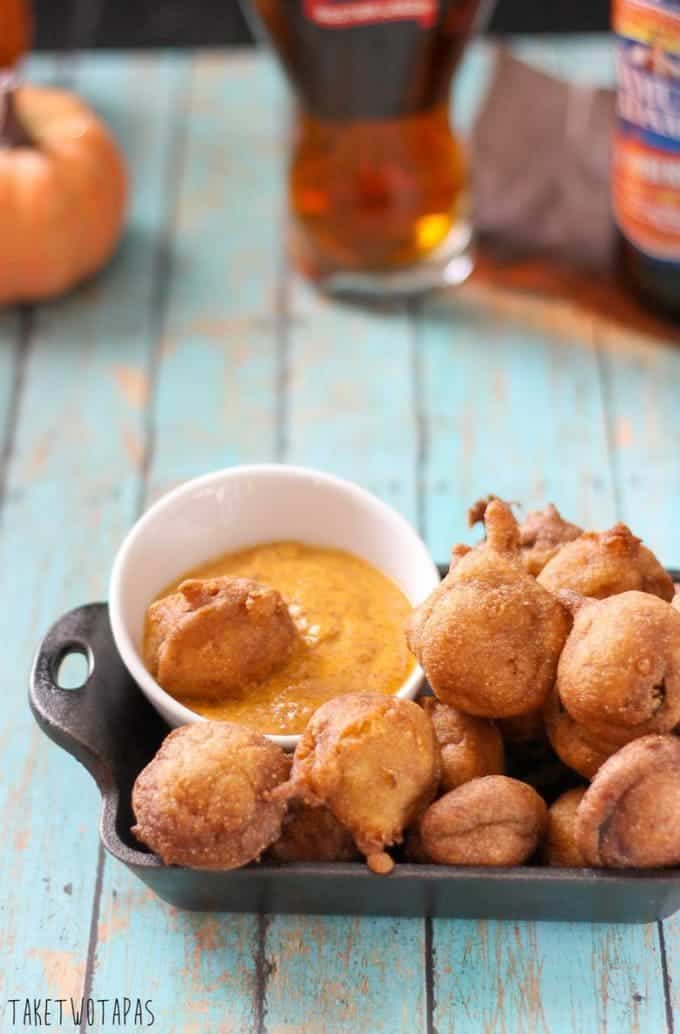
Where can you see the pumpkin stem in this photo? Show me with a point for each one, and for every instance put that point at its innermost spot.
(12, 131)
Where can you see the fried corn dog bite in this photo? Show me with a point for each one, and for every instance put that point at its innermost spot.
(413, 846)
(561, 846)
(312, 834)
(523, 731)
(494, 820)
(489, 637)
(214, 636)
(602, 564)
(525, 735)
(578, 748)
(470, 747)
(630, 814)
(374, 762)
(619, 673)
(204, 800)
(542, 534)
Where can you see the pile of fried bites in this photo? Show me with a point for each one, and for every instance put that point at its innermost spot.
(553, 654)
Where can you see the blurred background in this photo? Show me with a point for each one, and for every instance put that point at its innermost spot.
(176, 23)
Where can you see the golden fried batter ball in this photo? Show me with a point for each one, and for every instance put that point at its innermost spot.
(548, 776)
(203, 801)
(575, 745)
(374, 761)
(494, 820)
(531, 756)
(313, 834)
(525, 734)
(560, 846)
(413, 846)
(477, 512)
(215, 636)
(458, 551)
(619, 673)
(542, 534)
(630, 814)
(470, 747)
(601, 564)
(489, 637)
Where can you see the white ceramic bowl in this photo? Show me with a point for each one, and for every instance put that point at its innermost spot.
(240, 507)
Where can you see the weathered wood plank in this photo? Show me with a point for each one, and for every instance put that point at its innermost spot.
(345, 975)
(219, 364)
(503, 402)
(212, 403)
(509, 410)
(199, 971)
(71, 490)
(545, 978)
(641, 381)
(350, 395)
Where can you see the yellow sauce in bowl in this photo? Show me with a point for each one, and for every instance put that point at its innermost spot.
(351, 620)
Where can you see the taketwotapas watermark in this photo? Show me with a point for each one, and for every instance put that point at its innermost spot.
(80, 1013)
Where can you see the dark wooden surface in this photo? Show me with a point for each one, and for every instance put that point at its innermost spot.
(65, 24)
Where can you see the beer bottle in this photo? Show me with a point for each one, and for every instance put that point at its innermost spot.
(646, 152)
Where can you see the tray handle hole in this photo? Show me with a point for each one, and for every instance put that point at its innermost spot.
(73, 667)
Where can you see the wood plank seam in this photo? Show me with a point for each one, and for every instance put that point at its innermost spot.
(607, 410)
(429, 965)
(88, 976)
(415, 310)
(666, 977)
(615, 475)
(282, 318)
(159, 304)
(263, 969)
(162, 276)
(22, 346)
(421, 429)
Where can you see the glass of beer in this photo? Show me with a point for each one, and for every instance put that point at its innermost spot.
(377, 180)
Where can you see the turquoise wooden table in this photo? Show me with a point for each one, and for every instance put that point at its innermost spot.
(199, 348)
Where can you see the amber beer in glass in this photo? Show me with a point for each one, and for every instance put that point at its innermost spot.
(377, 178)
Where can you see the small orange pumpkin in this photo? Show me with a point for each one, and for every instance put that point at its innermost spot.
(63, 188)
(16, 30)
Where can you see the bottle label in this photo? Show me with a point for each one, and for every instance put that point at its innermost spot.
(342, 14)
(646, 156)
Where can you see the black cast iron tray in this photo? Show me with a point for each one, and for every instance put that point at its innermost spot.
(110, 727)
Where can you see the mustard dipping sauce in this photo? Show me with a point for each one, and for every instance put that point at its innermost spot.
(351, 620)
